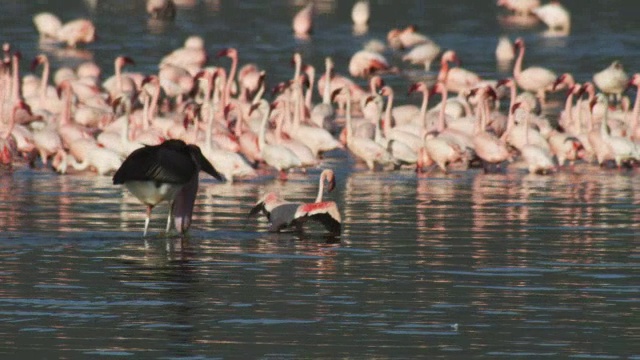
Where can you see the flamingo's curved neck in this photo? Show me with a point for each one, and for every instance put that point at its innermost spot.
(118, 71)
(444, 71)
(326, 94)
(65, 117)
(635, 115)
(44, 80)
(423, 107)
(349, 130)
(323, 177)
(387, 114)
(15, 70)
(309, 93)
(517, 67)
(210, 116)
(263, 124)
(232, 74)
(441, 115)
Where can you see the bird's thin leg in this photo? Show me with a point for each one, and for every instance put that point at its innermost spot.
(169, 218)
(147, 219)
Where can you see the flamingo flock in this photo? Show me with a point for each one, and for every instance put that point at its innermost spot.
(74, 121)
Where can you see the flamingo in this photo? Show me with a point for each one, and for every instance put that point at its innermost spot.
(165, 172)
(406, 38)
(456, 79)
(120, 84)
(489, 148)
(504, 50)
(556, 17)
(360, 13)
(73, 32)
(364, 148)
(535, 79)
(192, 56)
(283, 214)
(277, 156)
(323, 114)
(423, 54)
(303, 21)
(537, 158)
(623, 148)
(364, 63)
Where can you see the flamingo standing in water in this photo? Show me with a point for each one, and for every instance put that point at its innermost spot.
(73, 32)
(535, 79)
(364, 148)
(283, 214)
(556, 17)
(165, 172)
(303, 22)
(456, 79)
(275, 155)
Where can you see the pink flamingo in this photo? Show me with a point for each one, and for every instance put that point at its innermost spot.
(364, 148)
(406, 38)
(535, 79)
(277, 156)
(556, 17)
(520, 7)
(119, 83)
(364, 63)
(73, 32)
(456, 79)
(283, 214)
(192, 56)
(303, 22)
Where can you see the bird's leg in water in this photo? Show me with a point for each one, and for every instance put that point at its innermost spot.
(147, 219)
(169, 218)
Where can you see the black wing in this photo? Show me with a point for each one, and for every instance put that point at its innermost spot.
(169, 162)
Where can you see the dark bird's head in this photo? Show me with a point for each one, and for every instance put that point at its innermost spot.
(202, 162)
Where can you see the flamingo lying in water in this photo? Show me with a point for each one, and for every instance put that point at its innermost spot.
(283, 214)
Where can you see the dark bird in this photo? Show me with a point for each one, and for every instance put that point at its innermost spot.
(168, 171)
(283, 214)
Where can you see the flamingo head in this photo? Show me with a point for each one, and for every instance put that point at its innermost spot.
(559, 80)
(504, 82)
(515, 107)
(40, 59)
(121, 61)
(296, 59)
(419, 86)
(412, 28)
(328, 62)
(376, 82)
(451, 56)
(228, 52)
(63, 86)
(518, 43)
(337, 92)
(599, 98)
(386, 91)
(438, 88)
(280, 87)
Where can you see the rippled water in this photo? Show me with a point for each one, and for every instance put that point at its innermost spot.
(458, 265)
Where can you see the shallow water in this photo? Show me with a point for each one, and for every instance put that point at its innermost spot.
(458, 265)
